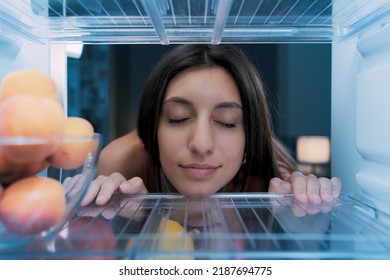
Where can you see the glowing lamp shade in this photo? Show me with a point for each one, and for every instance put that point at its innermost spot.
(74, 49)
(313, 149)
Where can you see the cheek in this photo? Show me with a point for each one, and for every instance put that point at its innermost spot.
(168, 144)
(233, 146)
(235, 150)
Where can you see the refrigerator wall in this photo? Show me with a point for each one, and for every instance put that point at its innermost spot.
(38, 33)
(360, 130)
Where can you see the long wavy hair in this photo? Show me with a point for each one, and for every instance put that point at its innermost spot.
(265, 155)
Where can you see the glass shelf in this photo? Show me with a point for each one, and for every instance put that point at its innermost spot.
(223, 226)
(202, 21)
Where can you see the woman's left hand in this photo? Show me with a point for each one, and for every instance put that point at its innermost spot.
(307, 188)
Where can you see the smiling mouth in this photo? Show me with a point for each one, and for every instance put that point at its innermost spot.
(199, 171)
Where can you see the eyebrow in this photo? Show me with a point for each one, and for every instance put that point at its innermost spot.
(180, 100)
(231, 104)
(184, 101)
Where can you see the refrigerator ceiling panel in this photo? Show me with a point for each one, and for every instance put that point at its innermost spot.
(178, 21)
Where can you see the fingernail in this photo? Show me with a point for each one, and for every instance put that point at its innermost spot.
(85, 199)
(328, 198)
(302, 198)
(285, 185)
(100, 198)
(316, 199)
(125, 187)
(83, 202)
(335, 194)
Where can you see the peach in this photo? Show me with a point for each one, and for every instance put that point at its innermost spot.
(28, 81)
(11, 172)
(38, 121)
(32, 205)
(76, 145)
(3, 163)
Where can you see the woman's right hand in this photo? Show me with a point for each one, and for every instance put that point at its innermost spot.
(103, 187)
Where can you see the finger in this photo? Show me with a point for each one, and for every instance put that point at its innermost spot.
(133, 186)
(73, 185)
(313, 187)
(108, 187)
(69, 183)
(92, 211)
(326, 190)
(336, 186)
(66, 181)
(326, 208)
(93, 190)
(313, 209)
(109, 212)
(298, 211)
(132, 208)
(298, 182)
(277, 185)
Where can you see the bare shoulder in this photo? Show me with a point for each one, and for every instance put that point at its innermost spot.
(127, 142)
(123, 155)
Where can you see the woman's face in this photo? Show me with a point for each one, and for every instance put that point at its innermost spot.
(201, 132)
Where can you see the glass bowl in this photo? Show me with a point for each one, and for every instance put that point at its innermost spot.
(74, 179)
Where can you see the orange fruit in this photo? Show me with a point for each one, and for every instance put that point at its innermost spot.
(32, 205)
(28, 81)
(75, 146)
(40, 120)
(3, 163)
(10, 171)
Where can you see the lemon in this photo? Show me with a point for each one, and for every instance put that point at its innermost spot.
(171, 242)
(174, 237)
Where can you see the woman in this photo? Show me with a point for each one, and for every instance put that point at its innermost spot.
(205, 126)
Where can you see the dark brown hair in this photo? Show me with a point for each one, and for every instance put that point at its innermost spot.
(264, 153)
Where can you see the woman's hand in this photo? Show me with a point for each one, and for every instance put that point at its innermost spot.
(103, 187)
(307, 188)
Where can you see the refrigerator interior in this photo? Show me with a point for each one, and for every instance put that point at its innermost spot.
(41, 34)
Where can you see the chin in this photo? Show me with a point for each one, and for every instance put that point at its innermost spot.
(197, 192)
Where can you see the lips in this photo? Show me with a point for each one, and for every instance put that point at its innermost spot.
(199, 171)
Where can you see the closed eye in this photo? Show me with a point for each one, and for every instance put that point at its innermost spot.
(227, 125)
(177, 121)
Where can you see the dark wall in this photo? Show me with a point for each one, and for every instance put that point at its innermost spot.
(304, 89)
(132, 64)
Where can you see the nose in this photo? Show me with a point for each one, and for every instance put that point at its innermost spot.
(201, 140)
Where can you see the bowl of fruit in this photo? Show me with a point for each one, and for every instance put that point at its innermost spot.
(47, 159)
